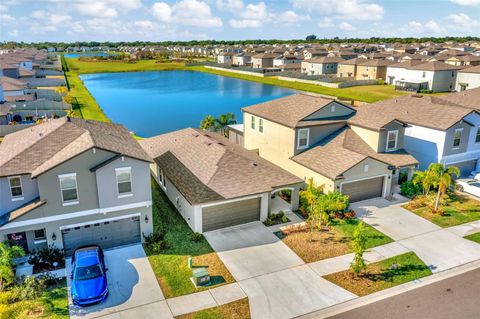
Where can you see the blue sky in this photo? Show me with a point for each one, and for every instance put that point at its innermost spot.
(151, 20)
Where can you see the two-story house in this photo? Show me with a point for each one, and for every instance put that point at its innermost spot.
(468, 78)
(439, 130)
(320, 65)
(311, 137)
(73, 182)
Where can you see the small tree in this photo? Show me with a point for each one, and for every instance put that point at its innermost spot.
(207, 123)
(311, 37)
(443, 179)
(425, 179)
(224, 121)
(359, 245)
(311, 195)
(7, 255)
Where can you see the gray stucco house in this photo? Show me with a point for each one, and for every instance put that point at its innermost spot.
(72, 182)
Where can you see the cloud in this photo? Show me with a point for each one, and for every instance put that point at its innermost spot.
(290, 17)
(429, 27)
(463, 20)
(345, 26)
(13, 33)
(255, 11)
(230, 5)
(326, 23)
(3, 8)
(345, 9)
(6, 18)
(96, 9)
(245, 23)
(144, 24)
(466, 2)
(186, 12)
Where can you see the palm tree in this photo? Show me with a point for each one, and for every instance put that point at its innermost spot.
(443, 179)
(207, 123)
(224, 121)
(7, 255)
(425, 179)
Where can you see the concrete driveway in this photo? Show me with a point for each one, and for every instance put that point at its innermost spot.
(133, 288)
(251, 250)
(391, 219)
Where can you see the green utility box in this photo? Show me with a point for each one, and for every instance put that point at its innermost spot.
(201, 277)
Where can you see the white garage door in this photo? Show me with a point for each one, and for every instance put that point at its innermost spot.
(364, 189)
(230, 214)
(105, 234)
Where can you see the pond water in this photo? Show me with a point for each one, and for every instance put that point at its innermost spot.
(152, 103)
(88, 54)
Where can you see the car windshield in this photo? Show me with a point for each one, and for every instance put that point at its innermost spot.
(89, 272)
(476, 184)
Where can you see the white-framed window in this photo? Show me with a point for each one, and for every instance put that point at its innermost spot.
(392, 140)
(124, 181)
(163, 181)
(365, 168)
(260, 125)
(457, 137)
(16, 189)
(477, 137)
(39, 234)
(332, 108)
(302, 138)
(424, 74)
(69, 189)
(252, 122)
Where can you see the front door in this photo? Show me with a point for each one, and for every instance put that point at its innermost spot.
(18, 239)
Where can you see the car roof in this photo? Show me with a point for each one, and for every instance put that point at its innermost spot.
(87, 256)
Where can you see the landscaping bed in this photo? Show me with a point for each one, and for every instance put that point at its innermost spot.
(276, 219)
(235, 310)
(382, 275)
(169, 261)
(456, 209)
(334, 241)
(473, 237)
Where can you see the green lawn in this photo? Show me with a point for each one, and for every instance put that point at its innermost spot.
(382, 275)
(235, 310)
(83, 67)
(473, 237)
(53, 305)
(334, 242)
(459, 209)
(170, 267)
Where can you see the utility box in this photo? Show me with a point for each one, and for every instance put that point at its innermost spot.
(201, 277)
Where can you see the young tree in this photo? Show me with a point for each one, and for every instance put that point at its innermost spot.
(359, 244)
(425, 179)
(7, 255)
(224, 121)
(207, 123)
(311, 195)
(443, 179)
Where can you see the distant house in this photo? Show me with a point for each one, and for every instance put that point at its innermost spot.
(322, 65)
(285, 59)
(373, 69)
(11, 87)
(225, 58)
(243, 58)
(263, 60)
(468, 79)
(348, 68)
(314, 53)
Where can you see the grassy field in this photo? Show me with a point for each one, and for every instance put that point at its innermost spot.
(334, 242)
(382, 275)
(235, 310)
(53, 304)
(170, 266)
(459, 209)
(474, 237)
(83, 67)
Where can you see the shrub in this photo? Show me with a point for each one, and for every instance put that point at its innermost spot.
(284, 219)
(280, 214)
(31, 288)
(196, 237)
(43, 259)
(410, 190)
(402, 178)
(155, 242)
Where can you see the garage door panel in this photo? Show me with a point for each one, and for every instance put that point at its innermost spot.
(105, 234)
(364, 189)
(230, 214)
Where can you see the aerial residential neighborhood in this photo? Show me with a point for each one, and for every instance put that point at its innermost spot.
(239, 159)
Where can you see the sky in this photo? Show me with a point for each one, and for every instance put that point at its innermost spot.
(183, 20)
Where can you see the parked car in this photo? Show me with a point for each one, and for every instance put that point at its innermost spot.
(475, 175)
(471, 186)
(89, 279)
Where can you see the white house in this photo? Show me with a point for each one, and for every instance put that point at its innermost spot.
(323, 65)
(468, 79)
(225, 58)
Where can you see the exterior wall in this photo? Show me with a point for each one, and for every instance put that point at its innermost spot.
(472, 79)
(448, 148)
(371, 72)
(395, 74)
(438, 81)
(371, 137)
(443, 81)
(375, 169)
(30, 192)
(107, 186)
(346, 70)
(394, 126)
(425, 144)
(317, 133)
(318, 68)
(326, 112)
(235, 137)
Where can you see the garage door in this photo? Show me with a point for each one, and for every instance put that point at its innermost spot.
(105, 234)
(465, 167)
(365, 189)
(231, 214)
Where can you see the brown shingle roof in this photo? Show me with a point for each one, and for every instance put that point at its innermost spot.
(435, 66)
(355, 61)
(205, 166)
(406, 64)
(39, 148)
(289, 110)
(469, 98)
(473, 69)
(376, 62)
(11, 84)
(325, 59)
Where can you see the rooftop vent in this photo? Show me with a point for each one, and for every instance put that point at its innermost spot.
(195, 135)
(254, 163)
(208, 143)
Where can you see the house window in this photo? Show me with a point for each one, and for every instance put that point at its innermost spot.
(477, 137)
(68, 187)
(453, 74)
(163, 182)
(332, 108)
(16, 188)
(365, 168)
(424, 74)
(260, 125)
(124, 180)
(303, 135)
(392, 139)
(252, 124)
(457, 137)
(39, 234)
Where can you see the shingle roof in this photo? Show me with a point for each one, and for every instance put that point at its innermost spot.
(11, 84)
(473, 69)
(355, 61)
(39, 148)
(406, 64)
(344, 149)
(469, 98)
(435, 66)
(428, 111)
(289, 110)
(325, 59)
(376, 62)
(206, 167)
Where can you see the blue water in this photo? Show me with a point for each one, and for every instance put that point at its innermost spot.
(152, 103)
(92, 54)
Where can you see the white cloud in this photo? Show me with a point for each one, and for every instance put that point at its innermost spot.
(463, 20)
(3, 8)
(13, 33)
(245, 23)
(326, 23)
(345, 9)
(77, 27)
(466, 2)
(39, 14)
(255, 11)
(57, 19)
(345, 26)
(6, 18)
(291, 17)
(415, 26)
(186, 12)
(96, 9)
(427, 28)
(144, 24)
(230, 5)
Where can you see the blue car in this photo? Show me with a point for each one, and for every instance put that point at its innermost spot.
(89, 279)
